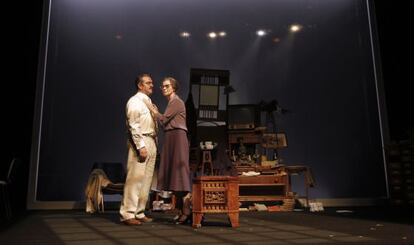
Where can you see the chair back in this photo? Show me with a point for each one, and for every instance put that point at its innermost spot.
(11, 173)
(115, 171)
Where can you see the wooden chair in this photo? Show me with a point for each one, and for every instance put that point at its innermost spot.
(6, 204)
(106, 178)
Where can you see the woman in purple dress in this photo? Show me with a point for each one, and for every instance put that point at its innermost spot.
(174, 169)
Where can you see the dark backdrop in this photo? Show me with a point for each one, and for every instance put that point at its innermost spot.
(23, 61)
(324, 75)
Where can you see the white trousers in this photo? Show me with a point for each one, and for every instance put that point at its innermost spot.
(138, 181)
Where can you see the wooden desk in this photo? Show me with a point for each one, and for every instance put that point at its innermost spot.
(264, 188)
(215, 194)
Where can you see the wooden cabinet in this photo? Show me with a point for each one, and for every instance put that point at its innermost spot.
(400, 171)
(215, 194)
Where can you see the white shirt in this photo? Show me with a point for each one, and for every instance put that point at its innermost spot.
(139, 119)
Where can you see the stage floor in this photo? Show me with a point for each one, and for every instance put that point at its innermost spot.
(361, 226)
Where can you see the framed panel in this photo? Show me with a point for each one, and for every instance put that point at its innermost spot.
(209, 95)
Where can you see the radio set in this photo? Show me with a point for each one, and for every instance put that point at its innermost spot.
(243, 116)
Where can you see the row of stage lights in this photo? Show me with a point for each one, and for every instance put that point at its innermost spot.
(261, 32)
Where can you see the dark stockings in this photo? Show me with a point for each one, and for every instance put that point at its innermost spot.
(183, 207)
(179, 202)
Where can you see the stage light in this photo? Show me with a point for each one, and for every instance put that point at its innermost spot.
(295, 28)
(222, 34)
(212, 35)
(185, 34)
(261, 33)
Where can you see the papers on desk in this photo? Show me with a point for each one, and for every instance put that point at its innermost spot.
(250, 173)
(260, 207)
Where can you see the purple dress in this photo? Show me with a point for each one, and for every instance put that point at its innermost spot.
(174, 169)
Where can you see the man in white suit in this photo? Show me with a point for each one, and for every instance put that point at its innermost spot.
(142, 151)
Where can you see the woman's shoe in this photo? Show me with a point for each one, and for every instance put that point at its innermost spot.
(176, 218)
(183, 219)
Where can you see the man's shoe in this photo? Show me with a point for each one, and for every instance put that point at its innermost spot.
(132, 221)
(145, 219)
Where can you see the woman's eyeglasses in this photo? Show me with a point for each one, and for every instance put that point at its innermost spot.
(165, 86)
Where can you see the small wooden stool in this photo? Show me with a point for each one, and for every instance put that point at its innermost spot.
(172, 199)
(207, 159)
(215, 194)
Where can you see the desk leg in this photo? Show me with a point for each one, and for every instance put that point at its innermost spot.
(234, 219)
(288, 185)
(307, 194)
(197, 217)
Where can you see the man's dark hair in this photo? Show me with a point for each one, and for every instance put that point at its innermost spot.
(140, 77)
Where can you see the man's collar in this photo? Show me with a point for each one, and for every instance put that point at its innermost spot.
(142, 95)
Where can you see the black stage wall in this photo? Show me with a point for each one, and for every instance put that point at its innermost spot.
(324, 75)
